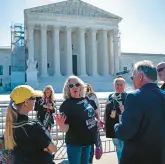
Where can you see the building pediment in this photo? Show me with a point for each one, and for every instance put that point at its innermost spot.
(73, 7)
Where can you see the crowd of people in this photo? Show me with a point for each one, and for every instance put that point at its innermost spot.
(135, 121)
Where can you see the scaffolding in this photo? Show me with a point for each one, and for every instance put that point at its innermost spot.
(17, 35)
(18, 55)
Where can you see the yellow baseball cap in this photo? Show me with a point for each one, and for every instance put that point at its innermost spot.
(22, 93)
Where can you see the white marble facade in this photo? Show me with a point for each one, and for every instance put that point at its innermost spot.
(73, 37)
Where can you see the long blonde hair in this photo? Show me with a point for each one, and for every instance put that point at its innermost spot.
(52, 92)
(89, 89)
(11, 117)
(66, 90)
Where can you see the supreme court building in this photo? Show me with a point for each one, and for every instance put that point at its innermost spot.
(66, 38)
(72, 37)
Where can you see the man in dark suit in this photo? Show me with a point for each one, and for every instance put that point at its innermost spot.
(143, 120)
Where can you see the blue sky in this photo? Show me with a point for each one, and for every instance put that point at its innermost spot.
(142, 28)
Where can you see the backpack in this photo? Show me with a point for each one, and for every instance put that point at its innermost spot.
(6, 156)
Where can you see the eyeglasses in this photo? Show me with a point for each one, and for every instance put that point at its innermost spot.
(160, 69)
(74, 85)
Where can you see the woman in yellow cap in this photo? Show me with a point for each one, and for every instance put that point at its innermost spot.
(28, 138)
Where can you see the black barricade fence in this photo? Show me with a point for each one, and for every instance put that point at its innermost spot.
(57, 135)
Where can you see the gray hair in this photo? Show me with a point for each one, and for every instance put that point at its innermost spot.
(66, 90)
(119, 78)
(147, 68)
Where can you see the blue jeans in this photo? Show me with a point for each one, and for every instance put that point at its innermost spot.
(78, 154)
(119, 147)
(92, 154)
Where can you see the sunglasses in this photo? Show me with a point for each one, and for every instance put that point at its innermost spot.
(160, 69)
(74, 85)
(131, 77)
(32, 98)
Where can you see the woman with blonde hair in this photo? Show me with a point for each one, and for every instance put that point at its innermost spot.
(91, 95)
(28, 138)
(77, 119)
(45, 107)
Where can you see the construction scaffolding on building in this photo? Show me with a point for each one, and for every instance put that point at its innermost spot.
(18, 55)
(17, 35)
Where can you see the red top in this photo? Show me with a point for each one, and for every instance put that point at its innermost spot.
(47, 103)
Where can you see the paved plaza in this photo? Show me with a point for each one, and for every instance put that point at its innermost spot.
(108, 158)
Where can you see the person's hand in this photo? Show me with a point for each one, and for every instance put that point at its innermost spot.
(100, 124)
(45, 106)
(113, 114)
(50, 107)
(121, 108)
(60, 119)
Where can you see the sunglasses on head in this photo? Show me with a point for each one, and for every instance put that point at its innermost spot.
(74, 85)
(160, 69)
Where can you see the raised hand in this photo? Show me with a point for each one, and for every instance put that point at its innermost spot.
(60, 119)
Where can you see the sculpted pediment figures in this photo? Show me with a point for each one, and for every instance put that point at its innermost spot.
(73, 7)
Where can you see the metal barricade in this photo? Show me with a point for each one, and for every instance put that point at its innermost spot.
(57, 135)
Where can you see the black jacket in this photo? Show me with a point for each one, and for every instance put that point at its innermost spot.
(143, 126)
(113, 105)
(41, 111)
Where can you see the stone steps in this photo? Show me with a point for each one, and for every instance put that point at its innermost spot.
(100, 84)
